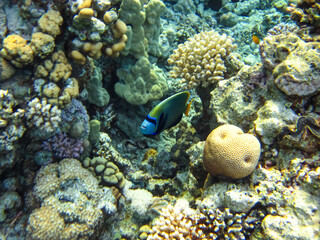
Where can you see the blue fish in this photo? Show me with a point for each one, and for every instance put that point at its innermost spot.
(166, 114)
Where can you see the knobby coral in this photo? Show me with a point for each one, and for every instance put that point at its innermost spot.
(200, 60)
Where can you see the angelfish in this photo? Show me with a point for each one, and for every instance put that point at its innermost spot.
(166, 114)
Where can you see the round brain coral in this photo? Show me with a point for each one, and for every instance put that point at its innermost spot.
(230, 152)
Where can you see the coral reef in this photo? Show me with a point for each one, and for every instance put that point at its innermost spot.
(72, 205)
(42, 115)
(200, 60)
(229, 152)
(141, 83)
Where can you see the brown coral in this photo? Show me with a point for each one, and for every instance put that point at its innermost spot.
(231, 153)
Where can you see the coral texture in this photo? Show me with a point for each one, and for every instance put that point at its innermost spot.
(63, 146)
(50, 23)
(71, 203)
(43, 115)
(200, 60)
(141, 83)
(229, 152)
(294, 62)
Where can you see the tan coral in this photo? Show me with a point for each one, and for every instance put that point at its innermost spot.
(6, 69)
(17, 51)
(62, 69)
(71, 90)
(78, 57)
(50, 23)
(42, 44)
(230, 152)
(93, 49)
(200, 60)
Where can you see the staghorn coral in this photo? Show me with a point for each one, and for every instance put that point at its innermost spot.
(229, 152)
(200, 60)
(71, 203)
(43, 115)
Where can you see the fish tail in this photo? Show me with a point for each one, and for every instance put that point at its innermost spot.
(188, 107)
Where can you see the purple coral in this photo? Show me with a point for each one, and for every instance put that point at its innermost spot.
(63, 146)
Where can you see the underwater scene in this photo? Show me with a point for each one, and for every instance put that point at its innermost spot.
(160, 119)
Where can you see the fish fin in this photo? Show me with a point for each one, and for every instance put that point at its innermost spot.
(175, 122)
(161, 124)
(188, 107)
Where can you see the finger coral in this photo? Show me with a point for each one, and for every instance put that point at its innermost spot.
(43, 115)
(200, 60)
(230, 152)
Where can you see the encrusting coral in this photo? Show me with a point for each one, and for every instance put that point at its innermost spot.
(71, 203)
(200, 60)
(230, 152)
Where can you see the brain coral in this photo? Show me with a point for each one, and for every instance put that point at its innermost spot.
(200, 60)
(231, 153)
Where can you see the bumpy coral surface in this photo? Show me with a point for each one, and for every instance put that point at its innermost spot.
(50, 23)
(294, 62)
(229, 152)
(200, 60)
(69, 197)
(17, 51)
(43, 115)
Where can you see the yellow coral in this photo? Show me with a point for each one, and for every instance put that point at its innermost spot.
(62, 69)
(17, 51)
(42, 44)
(200, 60)
(231, 153)
(50, 23)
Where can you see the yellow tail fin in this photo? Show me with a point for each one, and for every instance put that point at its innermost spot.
(188, 107)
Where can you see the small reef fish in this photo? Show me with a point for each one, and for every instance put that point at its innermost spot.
(255, 39)
(166, 114)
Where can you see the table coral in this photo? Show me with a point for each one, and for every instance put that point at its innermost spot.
(229, 152)
(200, 60)
(71, 203)
(17, 51)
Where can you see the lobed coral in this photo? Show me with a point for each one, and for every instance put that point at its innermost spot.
(141, 83)
(50, 23)
(200, 60)
(229, 152)
(17, 50)
(53, 80)
(306, 12)
(43, 115)
(71, 203)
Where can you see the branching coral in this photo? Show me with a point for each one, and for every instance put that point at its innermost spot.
(10, 121)
(43, 115)
(200, 60)
(182, 222)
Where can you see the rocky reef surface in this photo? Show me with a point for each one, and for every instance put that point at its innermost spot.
(77, 79)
